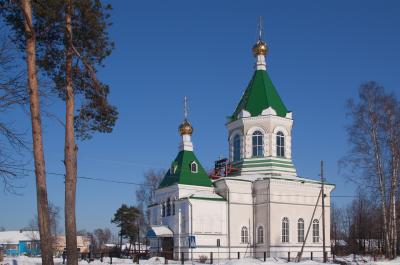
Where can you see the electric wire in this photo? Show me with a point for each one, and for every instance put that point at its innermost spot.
(143, 184)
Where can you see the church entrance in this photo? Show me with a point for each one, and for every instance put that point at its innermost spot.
(167, 246)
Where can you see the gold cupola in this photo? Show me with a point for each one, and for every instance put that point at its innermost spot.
(260, 48)
(185, 128)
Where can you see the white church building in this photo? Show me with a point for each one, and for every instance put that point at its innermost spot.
(260, 206)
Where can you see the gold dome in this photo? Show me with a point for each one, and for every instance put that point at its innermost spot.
(260, 48)
(185, 128)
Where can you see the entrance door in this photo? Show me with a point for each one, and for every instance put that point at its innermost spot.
(167, 245)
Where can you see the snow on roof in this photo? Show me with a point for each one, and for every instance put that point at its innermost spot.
(14, 237)
(205, 194)
(159, 231)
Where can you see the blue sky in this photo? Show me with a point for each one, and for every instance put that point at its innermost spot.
(320, 52)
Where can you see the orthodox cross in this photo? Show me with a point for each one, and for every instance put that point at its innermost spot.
(260, 28)
(185, 107)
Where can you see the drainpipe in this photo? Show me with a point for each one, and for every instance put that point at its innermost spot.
(191, 226)
(254, 220)
(268, 210)
(229, 223)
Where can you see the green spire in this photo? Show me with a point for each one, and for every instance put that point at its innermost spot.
(181, 172)
(260, 94)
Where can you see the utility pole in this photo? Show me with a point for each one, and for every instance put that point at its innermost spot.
(323, 211)
(138, 236)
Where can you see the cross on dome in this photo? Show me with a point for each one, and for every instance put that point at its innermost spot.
(185, 128)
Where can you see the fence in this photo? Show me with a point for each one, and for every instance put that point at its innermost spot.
(203, 257)
(107, 256)
(215, 257)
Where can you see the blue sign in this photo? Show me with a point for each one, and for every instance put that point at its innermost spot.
(192, 241)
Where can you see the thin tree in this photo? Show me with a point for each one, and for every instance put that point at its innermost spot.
(102, 236)
(13, 93)
(20, 18)
(374, 135)
(145, 195)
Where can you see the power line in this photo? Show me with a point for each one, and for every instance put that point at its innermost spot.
(89, 178)
(142, 184)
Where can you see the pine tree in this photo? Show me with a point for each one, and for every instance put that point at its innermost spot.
(20, 17)
(72, 42)
(127, 219)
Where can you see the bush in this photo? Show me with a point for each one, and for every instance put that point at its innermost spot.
(203, 259)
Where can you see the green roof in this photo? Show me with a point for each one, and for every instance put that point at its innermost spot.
(260, 94)
(180, 172)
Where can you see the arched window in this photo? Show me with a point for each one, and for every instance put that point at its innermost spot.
(193, 167)
(280, 144)
(244, 235)
(162, 209)
(300, 230)
(285, 230)
(315, 231)
(258, 144)
(236, 148)
(168, 207)
(260, 235)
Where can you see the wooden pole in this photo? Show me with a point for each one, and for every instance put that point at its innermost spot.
(299, 255)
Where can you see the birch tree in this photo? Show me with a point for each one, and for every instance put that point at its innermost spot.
(374, 134)
(145, 195)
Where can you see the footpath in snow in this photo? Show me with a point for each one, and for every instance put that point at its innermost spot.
(22, 260)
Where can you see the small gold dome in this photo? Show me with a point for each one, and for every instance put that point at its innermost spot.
(185, 128)
(260, 48)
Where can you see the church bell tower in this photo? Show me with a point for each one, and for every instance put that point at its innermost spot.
(260, 128)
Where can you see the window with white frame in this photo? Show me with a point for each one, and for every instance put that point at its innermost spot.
(168, 207)
(260, 235)
(193, 167)
(300, 230)
(162, 209)
(236, 148)
(280, 144)
(315, 230)
(285, 230)
(244, 235)
(258, 144)
(183, 223)
(154, 216)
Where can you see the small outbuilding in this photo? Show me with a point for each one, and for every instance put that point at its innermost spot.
(15, 243)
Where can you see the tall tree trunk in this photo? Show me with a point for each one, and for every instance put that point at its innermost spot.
(381, 176)
(395, 163)
(70, 149)
(393, 228)
(38, 153)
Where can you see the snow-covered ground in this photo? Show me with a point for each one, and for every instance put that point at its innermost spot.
(22, 260)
